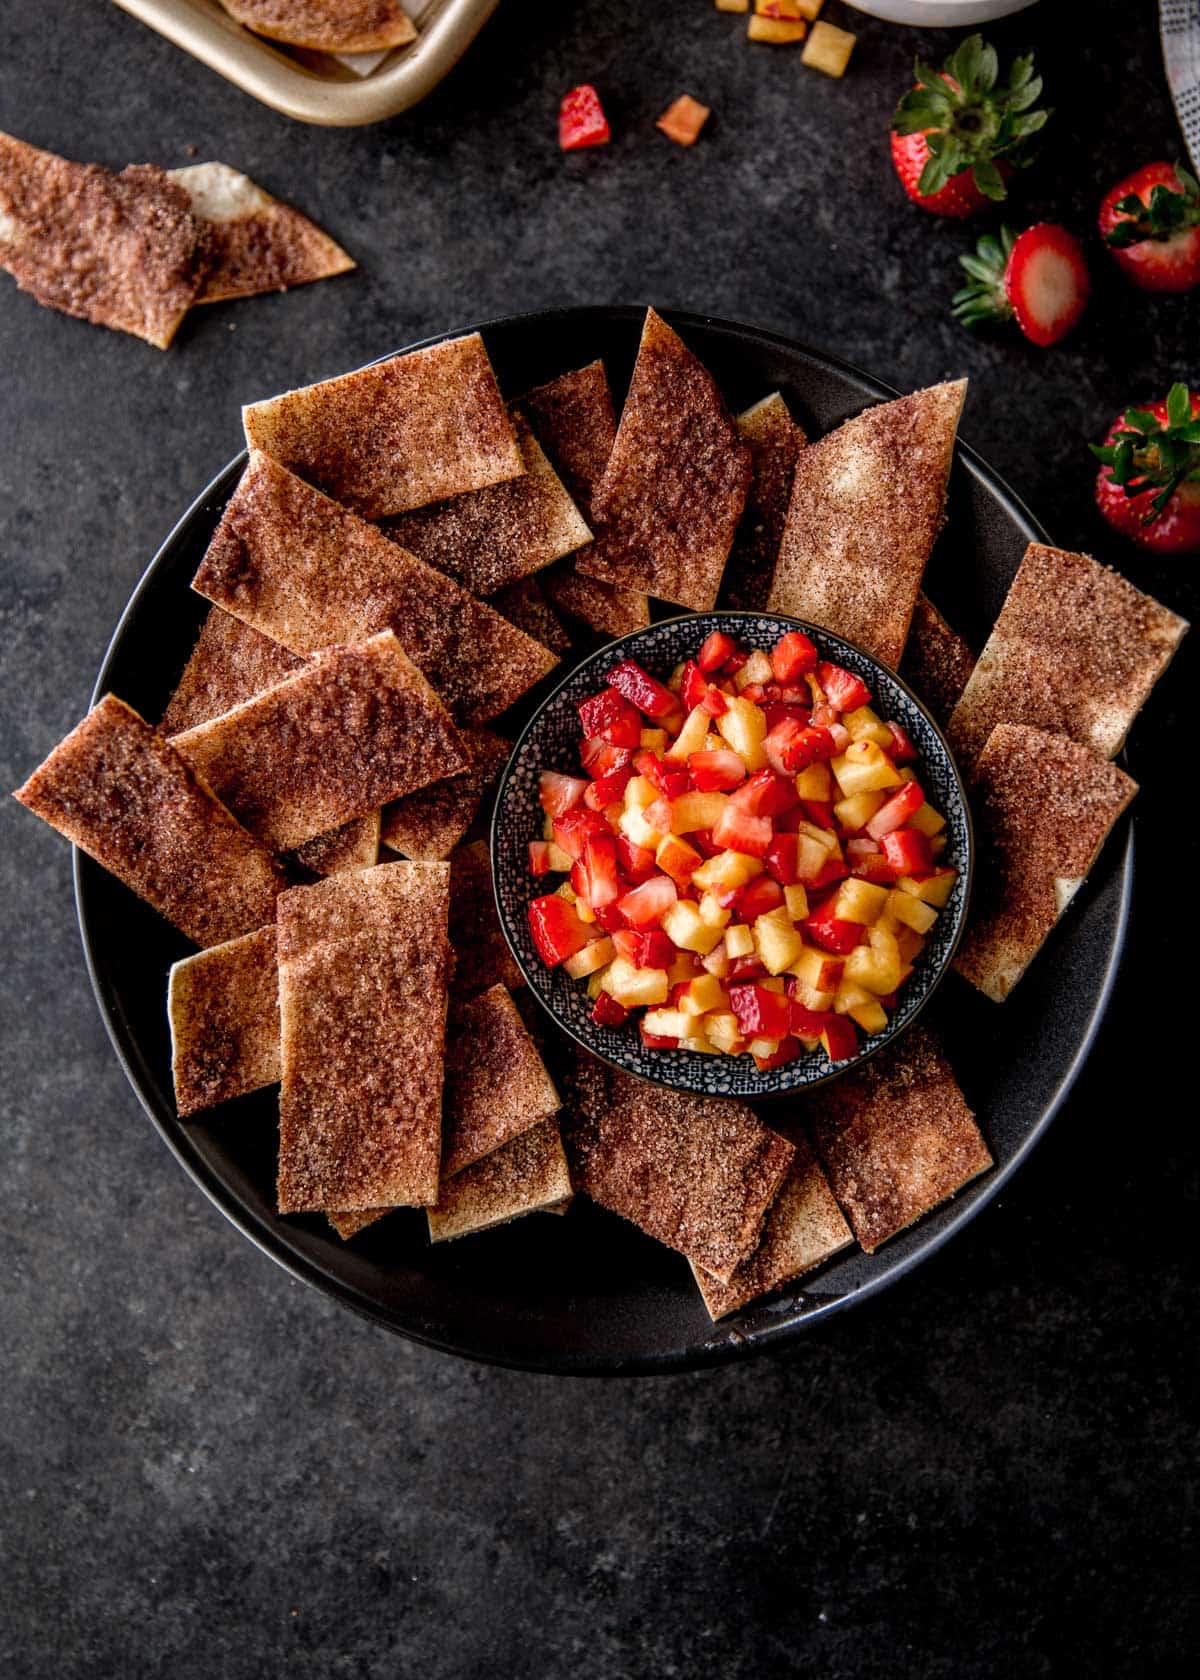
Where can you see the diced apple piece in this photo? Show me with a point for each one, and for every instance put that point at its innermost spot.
(635, 987)
(703, 994)
(910, 945)
(927, 820)
(677, 859)
(682, 923)
(932, 889)
(744, 727)
(819, 970)
(911, 911)
(811, 857)
(639, 793)
(638, 831)
(712, 912)
(876, 966)
(721, 1029)
(699, 1044)
(864, 1009)
(691, 737)
(796, 900)
(757, 669)
(866, 725)
(811, 997)
(596, 984)
(666, 1023)
(682, 968)
(860, 901)
(764, 1048)
(777, 940)
(828, 49)
(739, 940)
(856, 812)
(862, 768)
(718, 962)
(592, 957)
(727, 871)
(815, 783)
(654, 740)
(692, 811)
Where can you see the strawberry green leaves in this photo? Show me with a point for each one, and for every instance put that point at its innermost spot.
(1166, 212)
(1150, 450)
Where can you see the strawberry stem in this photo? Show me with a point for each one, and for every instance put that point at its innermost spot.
(1145, 453)
(985, 299)
(1168, 211)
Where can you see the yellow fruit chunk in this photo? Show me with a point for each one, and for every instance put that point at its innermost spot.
(691, 737)
(666, 1023)
(876, 967)
(815, 782)
(682, 967)
(777, 941)
(796, 900)
(654, 740)
(721, 1029)
(683, 119)
(863, 767)
(809, 996)
(683, 926)
(712, 912)
(592, 957)
(739, 940)
(828, 49)
(638, 831)
(559, 861)
(911, 911)
(856, 812)
(692, 811)
(863, 1009)
(757, 669)
(639, 793)
(698, 1043)
(764, 1047)
(635, 987)
(596, 984)
(733, 5)
(567, 891)
(859, 901)
(727, 871)
(934, 889)
(867, 725)
(718, 962)
(778, 32)
(928, 820)
(703, 994)
(910, 946)
(774, 984)
(744, 726)
(818, 970)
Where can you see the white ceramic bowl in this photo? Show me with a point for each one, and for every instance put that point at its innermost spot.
(940, 13)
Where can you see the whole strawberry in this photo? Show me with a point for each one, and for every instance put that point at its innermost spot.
(1148, 487)
(960, 133)
(1151, 223)
(1038, 279)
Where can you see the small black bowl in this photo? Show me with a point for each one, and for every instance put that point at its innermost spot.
(550, 741)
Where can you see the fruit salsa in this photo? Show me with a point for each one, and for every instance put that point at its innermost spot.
(750, 857)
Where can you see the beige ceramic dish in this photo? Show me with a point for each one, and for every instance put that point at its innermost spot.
(312, 87)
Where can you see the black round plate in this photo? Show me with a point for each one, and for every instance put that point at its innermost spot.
(588, 1293)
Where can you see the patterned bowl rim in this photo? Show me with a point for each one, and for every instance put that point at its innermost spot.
(775, 1082)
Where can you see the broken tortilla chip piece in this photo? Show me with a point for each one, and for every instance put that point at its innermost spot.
(352, 845)
(363, 963)
(229, 663)
(309, 573)
(223, 1008)
(896, 1138)
(1076, 650)
(528, 1174)
(697, 1173)
(254, 243)
(481, 954)
(358, 726)
(937, 662)
(803, 1229)
(1043, 807)
(868, 500)
(333, 26)
(427, 825)
(123, 251)
(774, 440)
(675, 484)
(398, 434)
(491, 537)
(129, 799)
(497, 1085)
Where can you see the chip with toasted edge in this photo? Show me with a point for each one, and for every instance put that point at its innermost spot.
(937, 662)
(774, 440)
(496, 1086)
(1043, 807)
(229, 663)
(352, 845)
(299, 568)
(1076, 650)
(481, 954)
(528, 1174)
(804, 1227)
(123, 251)
(358, 726)
(673, 490)
(398, 434)
(428, 825)
(524, 604)
(868, 500)
(333, 26)
(254, 243)
(572, 418)
(492, 537)
(697, 1173)
(896, 1137)
(223, 1009)
(363, 964)
(128, 798)
(348, 1225)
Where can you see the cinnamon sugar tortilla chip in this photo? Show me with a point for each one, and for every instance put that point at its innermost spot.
(363, 963)
(528, 1174)
(1043, 807)
(496, 1083)
(481, 954)
(123, 251)
(352, 845)
(1076, 650)
(803, 1229)
(429, 824)
(355, 728)
(697, 1173)
(601, 606)
(332, 26)
(524, 604)
(937, 661)
(229, 663)
(396, 435)
(774, 440)
(491, 537)
(675, 483)
(254, 243)
(223, 1007)
(867, 502)
(896, 1138)
(129, 799)
(309, 573)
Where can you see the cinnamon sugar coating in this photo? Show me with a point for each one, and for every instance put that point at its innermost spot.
(229, 663)
(223, 1007)
(497, 1085)
(481, 954)
(352, 845)
(774, 440)
(528, 1174)
(937, 662)
(333, 26)
(427, 825)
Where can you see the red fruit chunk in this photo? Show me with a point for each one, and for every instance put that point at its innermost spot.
(654, 1041)
(793, 656)
(739, 831)
(601, 758)
(872, 866)
(747, 968)
(539, 857)
(679, 860)
(560, 794)
(693, 686)
(842, 688)
(792, 746)
(755, 692)
(718, 769)
(571, 830)
(902, 749)
(641, 689)
(609, 715)
(788, 1050)
(907, 851)
(809, 1023)
(581, 119)
(904, 803)
(715, 650)
(735, 661)
(625, 942)
(654, 949)
(579, 880)
(557, 931)
(703, 841)
(600, 858)
(831, 871)
(648, 904)
(760, 1014)
(669, 779)
(638, 862)
(658, 814)
(766, 794)
(715, 703)
(778, 710)
(757, 897)
(781, 859)
(831, 934)
(609, 917)
(606, 790)
(839, 1038)
(818, 811)
(607, 1012)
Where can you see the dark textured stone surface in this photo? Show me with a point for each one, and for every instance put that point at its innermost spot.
(211, 1470)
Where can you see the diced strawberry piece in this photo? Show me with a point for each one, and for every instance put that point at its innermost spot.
(842, 688)
(693, 687)
(792, 746)
(792, 656)
(818, 811)
(839, 1038)
(907, 851)
(638, 862)
(830, 872)
(669, 779)
(794, 711)
(787, 822)
(717, 769)
(704, 843)
(579, 879)
(557, 931)
(735, 661)
(609, 715)
(654, 949)
(678, 859)
(781, 859)
(571, 830)
(641, 689)
(754, 691)
(676, 992)
(626, 943)
(715, 649)
(870, 866)
(902, 751)
(859, 846)
(600, 858)
(788, 1050)
(539, 857)
(760, 1014)
(658, 814)
(809, 1023)
(766, 794)
(599, 757)
(646, 905)
(904, 803)
(560, 794)
(714, 702)
(606, 790)
(609, 917)
(655, 1041)
(607, 1012)
(747, 968)
(581, 119)
(758, 896)
(831, 934)
(739, 831)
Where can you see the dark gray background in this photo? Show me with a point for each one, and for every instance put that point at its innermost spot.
(209, 1469)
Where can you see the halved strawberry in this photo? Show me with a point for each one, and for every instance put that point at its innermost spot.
(781, 859)
(599, 757)
(641, 689)
(669, 779)
(572, 829)
(557, 931)
(1150, 222)
(1038, 278)
(718, 769)
(609, 715)
(907, 852)
(793, 655)
(1148, 487)
(638, 862)
(560, 794)
(843, 690)
(792, 746)
(600, 860)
